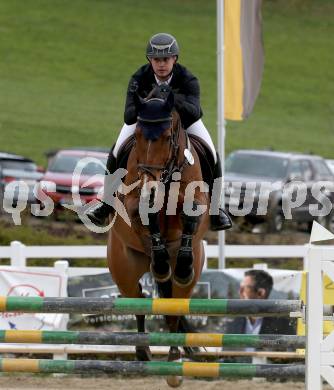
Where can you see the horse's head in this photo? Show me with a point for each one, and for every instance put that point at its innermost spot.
(157, 136)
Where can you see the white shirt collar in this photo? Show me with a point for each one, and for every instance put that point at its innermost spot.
(159, 82)
(253, 328)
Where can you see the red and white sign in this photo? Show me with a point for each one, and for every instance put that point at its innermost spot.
(24, 282)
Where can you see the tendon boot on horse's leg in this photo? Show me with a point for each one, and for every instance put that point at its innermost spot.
(222, 220)
(143, 353)
(184, 270)
(101, 212)
(160, 266)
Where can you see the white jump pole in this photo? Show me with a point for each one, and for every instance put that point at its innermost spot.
(314, 320)
(221, 113)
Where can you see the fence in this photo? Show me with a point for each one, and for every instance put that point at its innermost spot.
(19, 253)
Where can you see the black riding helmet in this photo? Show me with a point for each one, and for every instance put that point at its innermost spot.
(162, 45)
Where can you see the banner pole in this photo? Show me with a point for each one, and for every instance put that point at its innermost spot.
(221, 115)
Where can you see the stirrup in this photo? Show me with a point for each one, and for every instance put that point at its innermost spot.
(222, 221)
(99, 213)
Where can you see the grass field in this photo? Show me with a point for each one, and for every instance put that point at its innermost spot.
(65, 66)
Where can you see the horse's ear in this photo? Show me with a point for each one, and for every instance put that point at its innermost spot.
(170, 101)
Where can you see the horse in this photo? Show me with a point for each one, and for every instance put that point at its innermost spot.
(170, 244)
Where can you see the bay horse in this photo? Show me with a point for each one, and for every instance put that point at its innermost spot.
(170, 244)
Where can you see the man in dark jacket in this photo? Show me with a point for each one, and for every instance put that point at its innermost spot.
(257, 284)
(163, 70)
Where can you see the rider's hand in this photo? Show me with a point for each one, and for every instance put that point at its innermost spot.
(164, 88)
(179, 99)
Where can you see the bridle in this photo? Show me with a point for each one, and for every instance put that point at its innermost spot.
(171, 164)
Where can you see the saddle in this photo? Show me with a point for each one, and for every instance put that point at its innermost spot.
(205, 157)
(202, 150)
(124, 152)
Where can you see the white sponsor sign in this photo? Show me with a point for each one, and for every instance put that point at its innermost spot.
(22, 282)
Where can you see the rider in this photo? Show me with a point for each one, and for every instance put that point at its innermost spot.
(162, 53)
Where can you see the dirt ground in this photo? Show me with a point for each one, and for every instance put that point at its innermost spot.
(101, 383)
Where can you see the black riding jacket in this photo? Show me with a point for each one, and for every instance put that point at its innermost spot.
(184, 85)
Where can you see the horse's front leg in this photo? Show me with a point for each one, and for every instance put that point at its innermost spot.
(160, 266)
(184, 270)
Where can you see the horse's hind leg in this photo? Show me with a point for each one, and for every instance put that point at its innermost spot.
(142, 353)
(127, 267)
(165, 291)
(174, 354)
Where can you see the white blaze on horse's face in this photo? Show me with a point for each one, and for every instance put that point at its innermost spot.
(145, 192)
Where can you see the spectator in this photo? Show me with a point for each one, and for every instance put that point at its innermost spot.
(257, 284)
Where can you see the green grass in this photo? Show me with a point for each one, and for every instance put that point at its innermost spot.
(65, 66)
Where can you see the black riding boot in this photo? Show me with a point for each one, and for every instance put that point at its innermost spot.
(222, 221)
(101, 212)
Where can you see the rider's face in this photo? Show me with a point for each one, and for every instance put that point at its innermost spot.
(162, 67)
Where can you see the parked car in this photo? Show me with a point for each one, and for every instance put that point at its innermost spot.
(60, 171)
(330, 164)
(14, 167)
(283, 169)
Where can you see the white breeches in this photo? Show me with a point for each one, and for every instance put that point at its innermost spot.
(197, 128)
(126, 132)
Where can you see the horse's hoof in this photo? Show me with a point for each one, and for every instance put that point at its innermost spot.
(143, 354)
(174, 356)
(161, 278)
(174, 381)
(184, 282)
